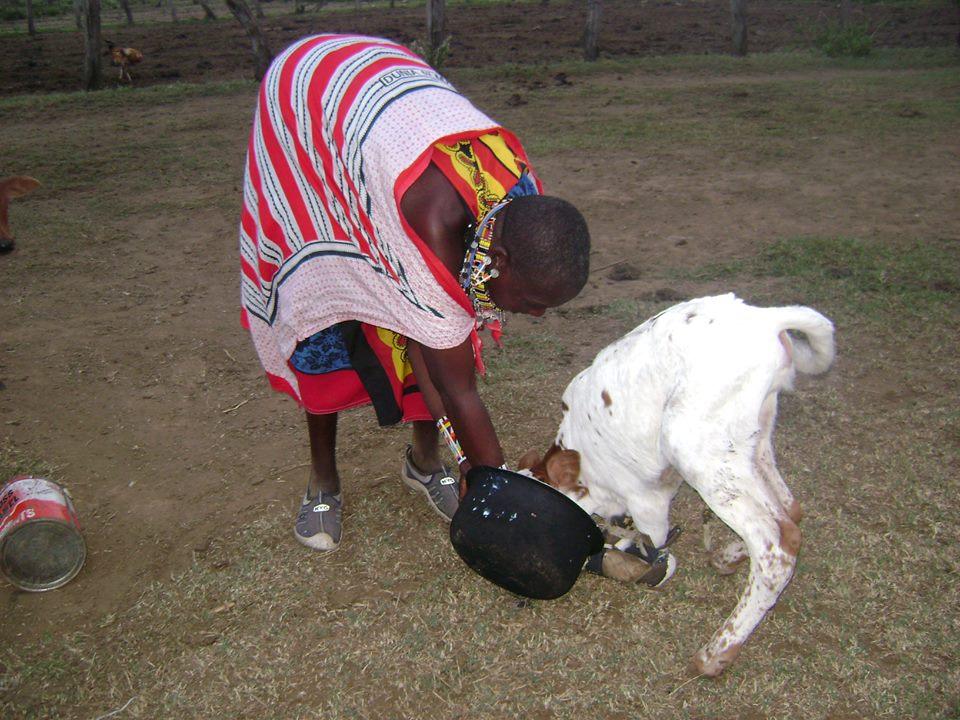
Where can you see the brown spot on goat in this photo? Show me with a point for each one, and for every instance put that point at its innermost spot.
(607, 402)
(795, 512)
(789, 536)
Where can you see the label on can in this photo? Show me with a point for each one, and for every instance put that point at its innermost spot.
(41, 547)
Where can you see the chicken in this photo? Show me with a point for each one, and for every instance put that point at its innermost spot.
(123, 57)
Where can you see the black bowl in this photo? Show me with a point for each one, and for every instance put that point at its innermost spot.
(521, 534)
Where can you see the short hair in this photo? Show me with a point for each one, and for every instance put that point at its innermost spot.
(548, 242)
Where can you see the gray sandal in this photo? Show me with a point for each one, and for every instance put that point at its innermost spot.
(441, 488)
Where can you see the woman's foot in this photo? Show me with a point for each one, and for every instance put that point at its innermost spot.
(440, 487)
(319, 523)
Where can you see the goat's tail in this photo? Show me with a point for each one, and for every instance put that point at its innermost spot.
(813, 350)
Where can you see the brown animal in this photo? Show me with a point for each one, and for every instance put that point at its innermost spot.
(12, 187)
(123, 57)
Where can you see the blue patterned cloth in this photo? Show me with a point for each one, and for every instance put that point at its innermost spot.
(322, 352)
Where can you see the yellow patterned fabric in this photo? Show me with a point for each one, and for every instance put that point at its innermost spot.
(483, 169)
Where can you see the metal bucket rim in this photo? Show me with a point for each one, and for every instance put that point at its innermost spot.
(59, 582)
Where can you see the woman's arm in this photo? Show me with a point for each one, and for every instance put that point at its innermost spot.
(448, 383)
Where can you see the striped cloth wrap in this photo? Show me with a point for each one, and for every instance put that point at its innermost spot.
(343, 126)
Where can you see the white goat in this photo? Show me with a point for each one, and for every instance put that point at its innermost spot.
(695, 389)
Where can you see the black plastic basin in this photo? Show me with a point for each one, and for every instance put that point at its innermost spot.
(522, 534)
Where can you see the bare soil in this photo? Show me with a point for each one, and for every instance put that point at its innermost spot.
(196, 51)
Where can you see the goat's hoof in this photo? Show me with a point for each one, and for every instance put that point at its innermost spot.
(705, 665)
(622, 566)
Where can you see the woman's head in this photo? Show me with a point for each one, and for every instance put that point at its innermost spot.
(541, 250)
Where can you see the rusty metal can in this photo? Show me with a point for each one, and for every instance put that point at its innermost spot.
(41, 547)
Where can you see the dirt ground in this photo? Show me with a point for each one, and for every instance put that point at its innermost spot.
(157, 414)
(195, 51)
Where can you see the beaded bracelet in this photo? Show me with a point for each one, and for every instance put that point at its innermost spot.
(446, 429)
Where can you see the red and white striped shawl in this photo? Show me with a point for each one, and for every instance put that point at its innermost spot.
(343, 126)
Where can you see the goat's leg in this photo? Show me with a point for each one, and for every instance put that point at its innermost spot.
(726, 559)
(772, 539)
(766, 460)
(651, 515)
(650, 507)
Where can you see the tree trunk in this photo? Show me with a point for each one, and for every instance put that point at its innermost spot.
(173, 10)
(31, 27)
(846, 13)
(436, 26)
(591, 49)
(125, 4)
(261, 50)
(207, 12)
(78, 13)
(92, 44)
(257, 9)
(738, 9)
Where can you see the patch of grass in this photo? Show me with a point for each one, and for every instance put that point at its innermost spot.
(754, 117)
(120, 97)
(711, 271)
(15, 462)
(725, 65)
(851, 40)
(917, 276)
(920, 279)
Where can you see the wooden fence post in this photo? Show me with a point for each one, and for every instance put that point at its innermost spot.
(261, 50)
(125, 4)
(738, 10)
(436, 26)
(846, 13)
(92, 45)
(591, 49)
(208, 13)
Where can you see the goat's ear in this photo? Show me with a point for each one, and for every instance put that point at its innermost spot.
(563, 468)
(528, 460)
(17, 186)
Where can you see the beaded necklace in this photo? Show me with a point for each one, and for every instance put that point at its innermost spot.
(474, 273)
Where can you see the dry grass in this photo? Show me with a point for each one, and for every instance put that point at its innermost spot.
(394, 626)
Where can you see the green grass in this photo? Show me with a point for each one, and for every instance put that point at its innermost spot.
(766, 114)
(916, 278)
(853, 40)
(121, 97)
(711, 65)
(926, 272)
